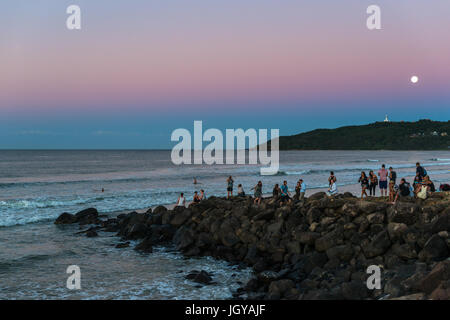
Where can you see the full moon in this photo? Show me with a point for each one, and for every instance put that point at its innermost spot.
(414, 79)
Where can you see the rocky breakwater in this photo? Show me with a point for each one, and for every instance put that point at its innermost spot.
(316, 249)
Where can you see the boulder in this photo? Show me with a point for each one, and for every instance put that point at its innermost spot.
(145, 245)
(183, 238)
(328, 240)
(379, 245)
(439, 274)
(407, 213)
(180, 218)
(159, 210)
(435, 248)
(277, 289)
(342, 252)
(91, 233)
(66, 218)
(87, 216)
(202, 277)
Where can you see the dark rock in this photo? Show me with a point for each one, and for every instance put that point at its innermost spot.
(91, 233)
(354, 290)
(145, 245)
(342, 252)
(66, 218)
(181, 217)
(379, 245)
(407, 213)
(183, 238)
(435, 248)
(439, 274)
(277, 289)
(202, 277)
(123, 245)
(159, 210)
(87, 216)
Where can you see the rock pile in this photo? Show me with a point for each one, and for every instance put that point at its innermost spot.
(319, 248)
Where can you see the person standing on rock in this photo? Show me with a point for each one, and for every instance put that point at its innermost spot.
(373, 182)
(230, 182)
(392, 180)
(181, 202)
(258, 192)
(297, 191)
(302, 189)
(285, 193)
(364, 184)
(383, 174)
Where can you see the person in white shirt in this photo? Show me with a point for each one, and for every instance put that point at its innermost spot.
(332, 190)
(181, 202)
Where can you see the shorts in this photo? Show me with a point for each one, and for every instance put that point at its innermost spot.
(230, 189)
(383, 185)
(284, 198)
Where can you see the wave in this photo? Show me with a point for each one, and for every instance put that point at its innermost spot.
(440, 159)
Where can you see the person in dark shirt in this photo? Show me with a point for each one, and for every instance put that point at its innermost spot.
(276, 191)
(364, 184)
(420, 171)
(392, 179)
(404, 190)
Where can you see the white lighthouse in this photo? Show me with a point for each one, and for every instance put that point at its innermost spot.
(386, 119)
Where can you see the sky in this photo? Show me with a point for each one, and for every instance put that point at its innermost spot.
(139, 69)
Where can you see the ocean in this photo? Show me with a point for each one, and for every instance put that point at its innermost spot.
(37, 186)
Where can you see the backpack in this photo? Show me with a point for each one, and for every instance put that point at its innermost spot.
(422, 194)
(432, 187)
(424, 172)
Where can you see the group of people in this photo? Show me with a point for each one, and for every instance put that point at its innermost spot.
(181, 201)
(282, 193)
(385, 179)
(422, 186)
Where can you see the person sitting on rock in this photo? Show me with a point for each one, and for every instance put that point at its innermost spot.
(181, 202)
(196, 197)
(404, 191)
(284, 193)
(202, 195)
(430, 185)
(241, 192)
(258, 192)
(276, 191)
(332, 190)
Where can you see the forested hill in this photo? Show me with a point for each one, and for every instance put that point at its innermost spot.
(420, 135)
